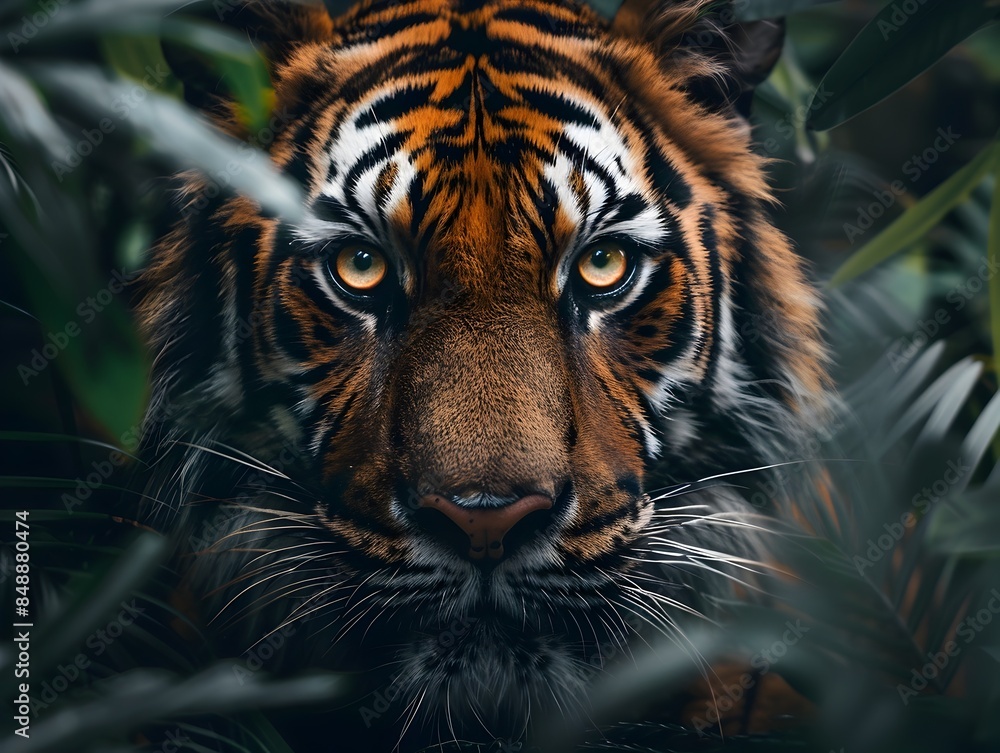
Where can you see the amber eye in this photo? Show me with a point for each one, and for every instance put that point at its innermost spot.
(603, 266)
(360, 268)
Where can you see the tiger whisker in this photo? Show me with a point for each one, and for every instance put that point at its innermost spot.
(669, 629)
(256, 583)
(631, 585)
(670, 491)
(701, 564)
(301, 558)
(255, 464)
(714, 555)
(416, 703)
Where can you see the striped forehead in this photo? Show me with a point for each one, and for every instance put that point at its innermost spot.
(368, 173)
(580, 160)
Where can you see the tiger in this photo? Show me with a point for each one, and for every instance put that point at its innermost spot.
(443, 425)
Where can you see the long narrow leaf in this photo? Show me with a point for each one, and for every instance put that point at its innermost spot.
(993, 259)
(921, 218)
(895, 47)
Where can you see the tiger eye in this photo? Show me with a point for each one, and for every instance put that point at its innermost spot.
(603, 266)
(361, 268)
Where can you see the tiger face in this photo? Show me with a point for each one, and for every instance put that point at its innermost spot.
(535, 284)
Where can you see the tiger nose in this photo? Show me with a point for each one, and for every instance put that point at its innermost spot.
(486, 526)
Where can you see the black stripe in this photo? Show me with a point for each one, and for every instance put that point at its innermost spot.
(544, 22)
(665, 177)
(373, 156)
(394, 106)
(710, 242)
(556, 105)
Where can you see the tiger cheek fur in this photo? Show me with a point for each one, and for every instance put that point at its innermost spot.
(535, 280)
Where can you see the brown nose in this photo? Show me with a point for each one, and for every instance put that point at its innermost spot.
(486, 526)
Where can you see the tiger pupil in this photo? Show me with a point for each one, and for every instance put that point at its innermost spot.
(363, 261)
(600, 258)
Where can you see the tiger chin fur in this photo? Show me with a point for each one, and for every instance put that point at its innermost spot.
(483, 153)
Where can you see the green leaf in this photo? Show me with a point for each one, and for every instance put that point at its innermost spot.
(921, 218)
(893, 49)
(978, 440)
(93, 343)
(960, 377)
(25, 115)
(966, 527)
(993, 263)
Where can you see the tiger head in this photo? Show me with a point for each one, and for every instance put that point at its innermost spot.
(535, 284)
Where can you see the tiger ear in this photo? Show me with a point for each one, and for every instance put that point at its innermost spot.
(275, 27)
(279, 26)
(723, 59)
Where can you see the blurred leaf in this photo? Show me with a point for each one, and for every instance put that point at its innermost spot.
(38, 436)
(176, 134)
(993, 262)
(968, 526)
(142, 696)
(61, 634)
(135, 56)
(946, 410)
(958, 378)
(659, 671)
(25, 116)
(894, 48)
(921, 218)
(51, 482)
(264, 734)
(95, 346)
(978, 440)
(92, 18)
